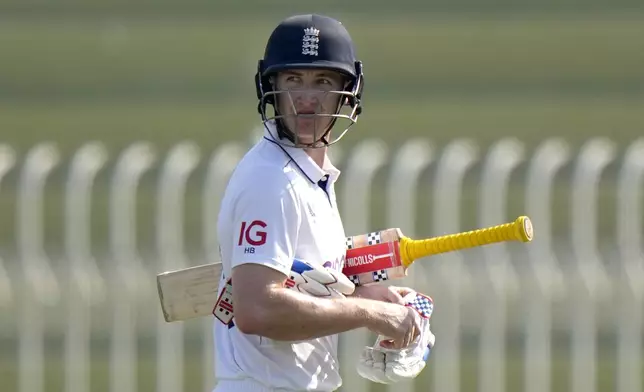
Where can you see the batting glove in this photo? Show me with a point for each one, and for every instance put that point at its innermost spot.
(386, 366)
(318, 281)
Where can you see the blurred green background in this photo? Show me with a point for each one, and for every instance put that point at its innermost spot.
(166, 71)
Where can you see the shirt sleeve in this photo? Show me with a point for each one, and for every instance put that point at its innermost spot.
(266, 218)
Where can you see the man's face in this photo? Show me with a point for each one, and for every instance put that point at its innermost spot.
(305, 95)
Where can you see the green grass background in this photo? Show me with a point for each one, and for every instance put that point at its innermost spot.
(164, 72)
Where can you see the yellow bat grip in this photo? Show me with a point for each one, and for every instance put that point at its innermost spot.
(519, 230)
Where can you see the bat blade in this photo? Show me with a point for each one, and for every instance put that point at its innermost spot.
(189, 293)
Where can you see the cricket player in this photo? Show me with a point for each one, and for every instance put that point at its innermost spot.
(280, 205)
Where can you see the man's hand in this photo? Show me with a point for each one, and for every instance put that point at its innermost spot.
(398, 324)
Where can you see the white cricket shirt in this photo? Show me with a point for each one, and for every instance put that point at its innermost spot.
(273, 211)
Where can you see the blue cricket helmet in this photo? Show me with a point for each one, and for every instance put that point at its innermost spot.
(310, 42)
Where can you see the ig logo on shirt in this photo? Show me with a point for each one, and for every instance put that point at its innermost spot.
(251, 236)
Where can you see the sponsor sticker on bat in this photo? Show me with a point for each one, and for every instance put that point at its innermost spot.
(371, 258)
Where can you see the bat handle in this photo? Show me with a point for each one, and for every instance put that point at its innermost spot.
(519, 230)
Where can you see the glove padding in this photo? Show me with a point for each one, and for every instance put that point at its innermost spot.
(386, 366)
(318, 281)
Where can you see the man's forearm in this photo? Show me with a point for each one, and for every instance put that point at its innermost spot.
(288, 315)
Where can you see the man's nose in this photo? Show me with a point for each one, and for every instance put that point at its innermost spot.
(308, 101)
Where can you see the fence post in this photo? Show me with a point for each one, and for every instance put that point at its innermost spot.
(180, 162)
(128, 276)
(501, 279)
(631, 282)
(589, 280)
(456, 159)
(84, 283)
(545, 281)
(41, 286)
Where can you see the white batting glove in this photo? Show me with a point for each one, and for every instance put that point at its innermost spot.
(318, 281)
(386, 366)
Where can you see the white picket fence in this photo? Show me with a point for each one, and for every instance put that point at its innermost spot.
(578, 283)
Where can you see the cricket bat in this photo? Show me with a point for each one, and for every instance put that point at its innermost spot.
(373, 257)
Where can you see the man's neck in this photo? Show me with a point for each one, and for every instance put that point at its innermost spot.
(317, 154)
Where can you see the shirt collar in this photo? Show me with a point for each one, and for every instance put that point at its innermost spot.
(310, 169)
